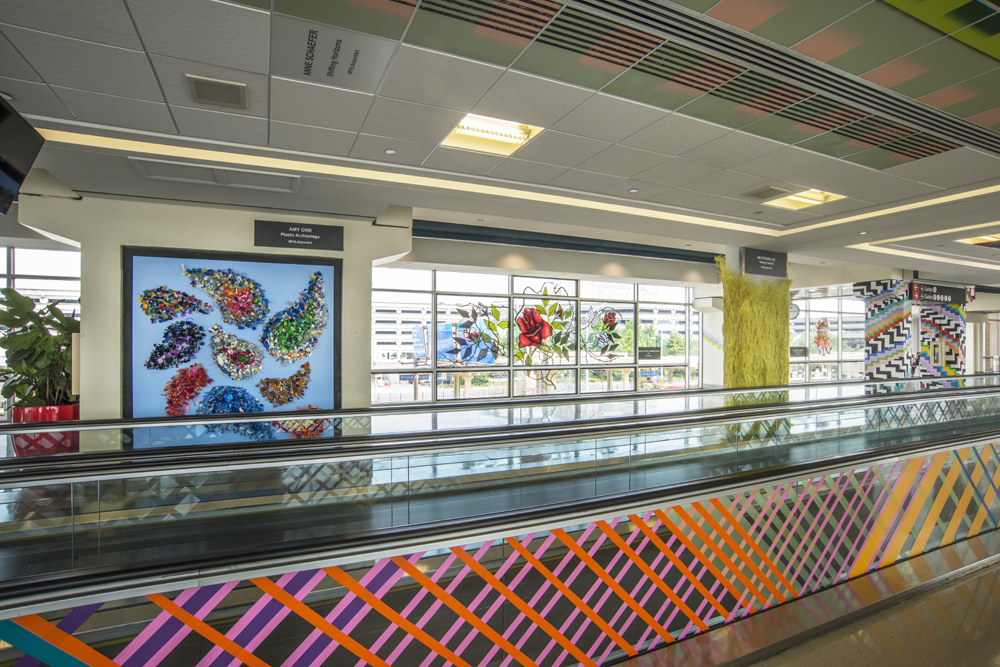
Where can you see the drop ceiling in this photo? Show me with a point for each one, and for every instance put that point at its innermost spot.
(662, 107)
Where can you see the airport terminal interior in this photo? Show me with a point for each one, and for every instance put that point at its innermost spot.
(414, 333)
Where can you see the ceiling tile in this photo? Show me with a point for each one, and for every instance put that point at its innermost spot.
(622, 161)
(931, 169)
(677, 171)
(220, 126)
(13, 65)
(567, 150)
(585, 181)
(523, 98)
(321, 106)
(311, 139)
(861, 185)
(63, 61)
(608, 118)
(960, 177)
(101, 21)
(676, 134)
(804, 167)
(438, 79)
(720, 205)
(117, 111)
(32, 97)
(644, 190)
(512, 169)
(370, 147)
(680, 197)
(218, 33)
(172, 74)
(732, 149)
(899, 192)
(462, 162)
(409, 120)
(725, 182)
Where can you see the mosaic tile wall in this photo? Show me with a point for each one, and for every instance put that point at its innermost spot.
(587, 594)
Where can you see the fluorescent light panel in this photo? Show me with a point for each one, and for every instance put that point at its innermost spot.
(490, 135)
(805, 199)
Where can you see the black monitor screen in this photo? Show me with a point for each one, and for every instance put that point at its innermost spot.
(19, 146)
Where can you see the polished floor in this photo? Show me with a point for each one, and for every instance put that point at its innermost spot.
(957, 625)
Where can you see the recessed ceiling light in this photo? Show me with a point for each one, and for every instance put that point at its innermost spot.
(390, 151)
(634, 190)
(9, 98)
(863, 233)
(490, 135)
(804, 199)
(688, 245)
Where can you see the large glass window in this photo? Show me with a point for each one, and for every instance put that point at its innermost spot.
(445, 335)
(827, 333)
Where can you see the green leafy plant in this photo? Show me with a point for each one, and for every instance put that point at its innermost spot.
(37, 344)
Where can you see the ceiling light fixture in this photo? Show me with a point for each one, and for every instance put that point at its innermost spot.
(634, 190)
(390, 151)
(805, 199)
(9, 98)
(490, 135)
(862, 233)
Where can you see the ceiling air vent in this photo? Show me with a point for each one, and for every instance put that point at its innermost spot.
(219, 93)
(182, 172)
(770, 192)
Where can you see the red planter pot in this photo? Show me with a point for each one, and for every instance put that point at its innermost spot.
(55, 442)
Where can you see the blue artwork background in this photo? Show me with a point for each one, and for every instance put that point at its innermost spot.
(282, 283)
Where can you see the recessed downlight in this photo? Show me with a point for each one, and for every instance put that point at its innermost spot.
(490, 135)
(863, 233)
(634, 190)
(390, 151)
(9, 98)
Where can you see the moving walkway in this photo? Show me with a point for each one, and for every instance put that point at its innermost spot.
(567, 535)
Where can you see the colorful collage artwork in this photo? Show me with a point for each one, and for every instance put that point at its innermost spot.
(223, 335)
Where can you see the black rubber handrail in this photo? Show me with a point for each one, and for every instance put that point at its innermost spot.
(424, 408)
(203, 459)
(111, 582)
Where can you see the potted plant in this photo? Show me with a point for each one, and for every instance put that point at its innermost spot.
(36, 382)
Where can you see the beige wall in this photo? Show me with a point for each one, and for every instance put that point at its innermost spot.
(101, 226)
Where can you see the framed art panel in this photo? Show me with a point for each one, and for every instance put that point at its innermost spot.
(222, 333)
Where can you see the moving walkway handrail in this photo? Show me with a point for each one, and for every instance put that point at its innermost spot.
(457, 406)
(96, 584)
(241, 456)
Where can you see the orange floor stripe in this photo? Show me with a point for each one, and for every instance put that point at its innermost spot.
(572, 597)
(653, 576)
(737, 551)
(888, 514)
(460, 609)
(678, 563)
(206, 631)
(309, 615)
(523, 606)
(735, 523)
(64, 641)
(720, 554)
(963, 503)
(703, 558)
(348, 582)
(614, 585)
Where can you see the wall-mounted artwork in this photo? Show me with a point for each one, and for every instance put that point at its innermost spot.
(221, 333)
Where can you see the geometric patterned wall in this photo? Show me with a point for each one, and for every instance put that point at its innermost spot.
(888, 310)
(945, 323)
(588, 594)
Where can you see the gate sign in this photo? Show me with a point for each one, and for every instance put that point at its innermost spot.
(765, 263)
(927, 293)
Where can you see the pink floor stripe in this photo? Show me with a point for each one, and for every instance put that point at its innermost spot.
(200, 615)
(863, 489)
(153, 627)
(258, 606)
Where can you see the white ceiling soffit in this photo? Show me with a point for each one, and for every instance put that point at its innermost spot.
(185, 172)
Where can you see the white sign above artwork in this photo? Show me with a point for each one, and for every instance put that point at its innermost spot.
(327, 55)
